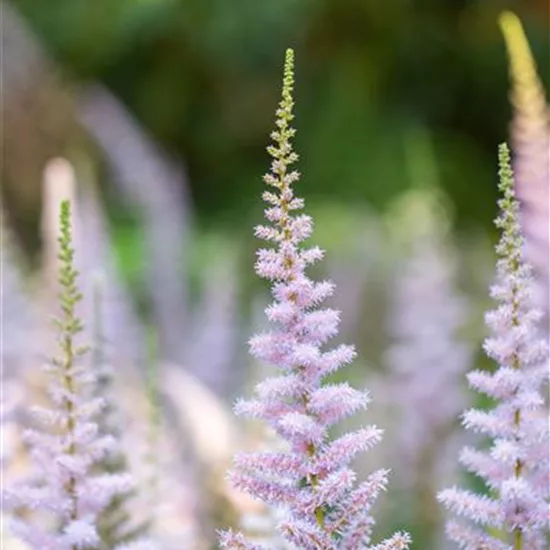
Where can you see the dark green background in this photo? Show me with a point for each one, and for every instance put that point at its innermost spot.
(204, 76)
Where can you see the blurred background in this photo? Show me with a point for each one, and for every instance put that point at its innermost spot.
(163, 109)
(202, 78)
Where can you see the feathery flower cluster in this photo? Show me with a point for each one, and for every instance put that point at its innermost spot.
(531, 144)
(515, 468)
(426, 360)
(313, 482)
(260, 524)
(63, 497)
(114, 523)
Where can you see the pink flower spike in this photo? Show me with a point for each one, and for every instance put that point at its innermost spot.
(310, 482)
(515, 466)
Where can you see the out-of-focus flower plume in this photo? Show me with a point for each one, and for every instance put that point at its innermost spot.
(19, 342)
(216, 319)
(426, 358)
(63, 496)
(122, 324)
(114, 524)
(530, 133)
(426, 361)
(156, 186)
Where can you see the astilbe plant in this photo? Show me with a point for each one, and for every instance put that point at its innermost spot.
(121, 322)
(62, 499)
(260, 523)
(114, 523)
(313, 482)
(530, 133)
(426, 361)
(515, 513)
(163, 505)
(426, 356)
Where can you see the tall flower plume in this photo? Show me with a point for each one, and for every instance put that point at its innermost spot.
(515, 513)
(426, 361)
(114, 523)
(63, 497)
(312, 481)
(531, 144)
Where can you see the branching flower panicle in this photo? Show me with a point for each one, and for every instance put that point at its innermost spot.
(312, 482)
(515, 513)
(63, 498)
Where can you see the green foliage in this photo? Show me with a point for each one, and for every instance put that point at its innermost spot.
(201, 76)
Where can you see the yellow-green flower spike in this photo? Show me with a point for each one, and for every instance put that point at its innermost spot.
(528, 95)
(530, 137)
(69, 293)
(288, 78)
